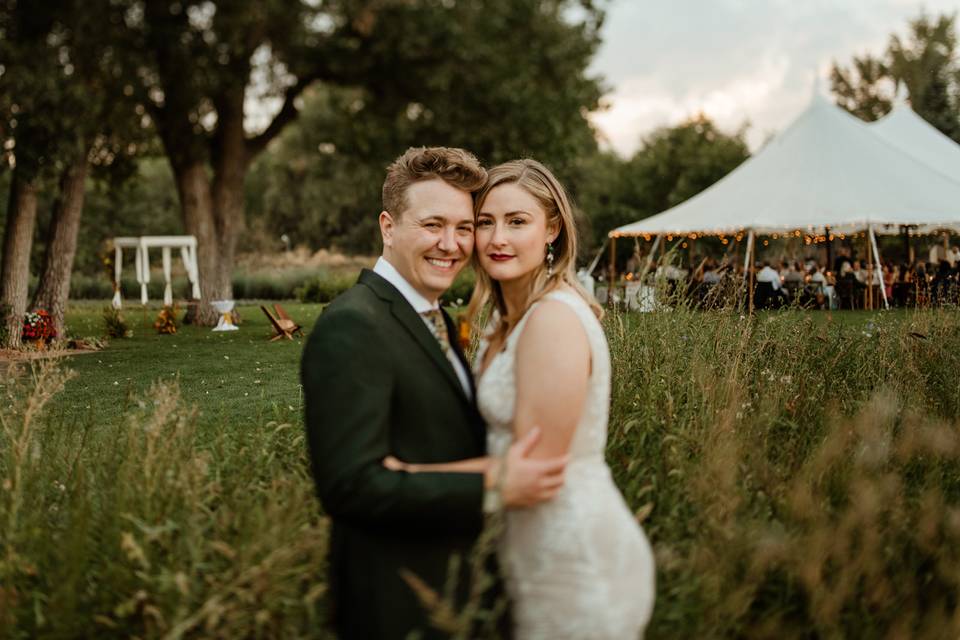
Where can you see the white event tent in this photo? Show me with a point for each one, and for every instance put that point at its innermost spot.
(910, 133)
(828, 169)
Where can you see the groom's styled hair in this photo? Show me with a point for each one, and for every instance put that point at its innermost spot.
(457, 167)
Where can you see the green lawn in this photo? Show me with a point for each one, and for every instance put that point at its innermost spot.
(233, 378)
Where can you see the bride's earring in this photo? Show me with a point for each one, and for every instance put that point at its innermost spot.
(549, 260)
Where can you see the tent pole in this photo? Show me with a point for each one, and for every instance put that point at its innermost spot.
(650, 258)
(829, 244)
(869, 290)
(613, 269)
(596, 259)
(876, 255)
(748, 270)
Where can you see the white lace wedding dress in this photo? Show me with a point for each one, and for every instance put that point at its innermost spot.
(578, 566)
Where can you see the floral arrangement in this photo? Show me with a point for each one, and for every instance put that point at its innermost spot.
(464, 332)
(38, 326)
(167, 320)
(116, 326)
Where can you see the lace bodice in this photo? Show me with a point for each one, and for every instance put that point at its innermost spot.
(578, 566)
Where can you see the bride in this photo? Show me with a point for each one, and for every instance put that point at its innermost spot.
(578, 566)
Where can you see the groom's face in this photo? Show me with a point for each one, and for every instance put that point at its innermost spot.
(431, 241)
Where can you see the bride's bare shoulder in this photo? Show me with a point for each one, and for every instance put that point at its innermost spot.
(554, 327)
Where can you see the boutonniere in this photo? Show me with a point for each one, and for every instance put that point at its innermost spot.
(463, 332)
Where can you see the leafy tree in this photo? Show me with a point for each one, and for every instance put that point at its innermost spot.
(31, 101)
(673, 164)
(64, 110)
(925, 61)
(866, 89)
(502, 79)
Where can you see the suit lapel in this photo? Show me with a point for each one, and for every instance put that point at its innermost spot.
(454, 332)
(413, 323)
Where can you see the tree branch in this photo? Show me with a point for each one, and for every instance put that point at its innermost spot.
(287, 114)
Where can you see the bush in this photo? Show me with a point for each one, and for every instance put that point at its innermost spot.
(270, 285)
(257, 285)
(325, 287)
(460, 291)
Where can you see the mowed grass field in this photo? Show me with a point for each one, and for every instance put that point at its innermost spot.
(798, 474)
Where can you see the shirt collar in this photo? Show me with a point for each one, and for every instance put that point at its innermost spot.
(388, 272)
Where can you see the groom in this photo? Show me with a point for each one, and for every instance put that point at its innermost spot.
(383, 375)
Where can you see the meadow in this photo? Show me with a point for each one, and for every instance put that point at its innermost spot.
(798, 474)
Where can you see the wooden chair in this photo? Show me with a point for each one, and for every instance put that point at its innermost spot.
(284, 326)
(284, 318)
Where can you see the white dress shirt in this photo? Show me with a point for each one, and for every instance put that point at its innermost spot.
(768, 274)
(421, 305)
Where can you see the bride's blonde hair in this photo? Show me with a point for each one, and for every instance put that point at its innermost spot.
(539, 182)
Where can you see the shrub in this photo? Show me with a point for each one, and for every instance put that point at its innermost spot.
(325, 287)
(460, 291)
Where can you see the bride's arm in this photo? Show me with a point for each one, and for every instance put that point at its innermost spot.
(471, 465)
(552, 377)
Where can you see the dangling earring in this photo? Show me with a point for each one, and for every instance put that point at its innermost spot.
(549, 260)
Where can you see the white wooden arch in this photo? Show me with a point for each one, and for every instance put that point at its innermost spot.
(141, 247)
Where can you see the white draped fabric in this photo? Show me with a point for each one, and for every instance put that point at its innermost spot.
(141, 247)
(826, 169)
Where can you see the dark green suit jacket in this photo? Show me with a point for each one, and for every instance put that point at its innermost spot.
(376, 382)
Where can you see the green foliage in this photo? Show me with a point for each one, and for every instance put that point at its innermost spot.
(511, 81)
(674, 164)
(925, 61)
(324, 287)
(461, 290)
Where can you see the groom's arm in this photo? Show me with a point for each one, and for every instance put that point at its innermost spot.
(347, 389)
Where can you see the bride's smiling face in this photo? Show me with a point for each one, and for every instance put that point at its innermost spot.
(511, 233)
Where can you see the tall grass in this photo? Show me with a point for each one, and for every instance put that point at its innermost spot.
(148, 528)
(799, 476)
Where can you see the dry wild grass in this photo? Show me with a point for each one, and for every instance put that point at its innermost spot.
(141, 529)
(798, 477)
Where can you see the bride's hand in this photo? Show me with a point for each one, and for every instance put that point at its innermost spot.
(393, 464)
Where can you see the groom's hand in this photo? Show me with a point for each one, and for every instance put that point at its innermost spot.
(528, 481)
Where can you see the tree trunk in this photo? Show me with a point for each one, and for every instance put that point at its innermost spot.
(18, 240)
(54, 289)
(230, 170)
(193, 185)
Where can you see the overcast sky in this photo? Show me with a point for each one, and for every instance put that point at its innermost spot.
(734, 60)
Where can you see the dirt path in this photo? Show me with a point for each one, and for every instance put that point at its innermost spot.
(11, 357)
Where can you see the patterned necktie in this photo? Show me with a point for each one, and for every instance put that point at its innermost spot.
(439, 329)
